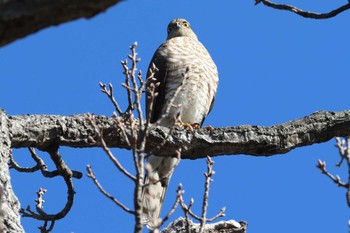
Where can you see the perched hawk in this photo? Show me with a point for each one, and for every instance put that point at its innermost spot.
(188, 80)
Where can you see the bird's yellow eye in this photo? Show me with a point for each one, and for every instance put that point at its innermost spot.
(186, 24)
(169, 28)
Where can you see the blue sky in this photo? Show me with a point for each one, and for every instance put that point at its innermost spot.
(274, 66)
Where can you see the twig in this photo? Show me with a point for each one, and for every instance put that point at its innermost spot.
(127, 83)
(219, 215)
(336, 179)
(139, 139)
(137, 130)
(346, 149)
(306, 14)
(91, 175)
(107, 150)
(187, 209)
(40, 201)
(341, 148)
(39, 163)
(110, 95)
(208, 179)
(137, 92)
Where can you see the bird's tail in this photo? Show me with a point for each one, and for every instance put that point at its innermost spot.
(159, 171)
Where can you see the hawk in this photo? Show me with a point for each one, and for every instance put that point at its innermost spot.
(188, 80)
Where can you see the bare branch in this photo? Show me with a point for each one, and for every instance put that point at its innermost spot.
(133, 131)
(208, 179)
(91, 175)
(108, 151)
(109, 93)
(219, 215)
(344, 152)
(336, 179)
(67, 174)
(39, 163)
(306, 14)
(210, 172)
(341, 148)
(127, 83)
(187, 209)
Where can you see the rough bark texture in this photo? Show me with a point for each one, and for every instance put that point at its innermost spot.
(20, 18)
(76, 131)
(9, 205)
(231, 226)
(42, 131)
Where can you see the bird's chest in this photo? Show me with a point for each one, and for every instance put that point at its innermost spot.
(187, 93)
(190, 81)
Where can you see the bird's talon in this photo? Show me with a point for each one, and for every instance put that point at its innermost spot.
(195, 125)
(186, 125)
(209, 127)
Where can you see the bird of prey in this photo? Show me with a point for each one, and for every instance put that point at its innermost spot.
(187, 80)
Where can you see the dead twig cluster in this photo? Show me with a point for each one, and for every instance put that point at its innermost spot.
(61, 170)
(138, 128)
(344, 153)
(303, 13)
(343, 146)
(187, 208)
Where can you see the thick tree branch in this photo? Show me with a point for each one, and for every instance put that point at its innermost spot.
(21, 18)
(76, 131)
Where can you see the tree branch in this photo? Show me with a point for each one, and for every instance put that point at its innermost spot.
(21, 18)
(76, 131)
(303, 13)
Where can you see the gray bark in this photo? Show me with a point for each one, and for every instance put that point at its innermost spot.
(41, 131)
(9, 205)
(20, 18)
(231, 226)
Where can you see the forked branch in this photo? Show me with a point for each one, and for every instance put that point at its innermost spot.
(62, 170)
(187, 208)
(343, 147)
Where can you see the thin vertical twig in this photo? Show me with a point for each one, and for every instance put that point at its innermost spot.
(208, 179)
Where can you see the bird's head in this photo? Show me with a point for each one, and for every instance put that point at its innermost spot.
(180, 27)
